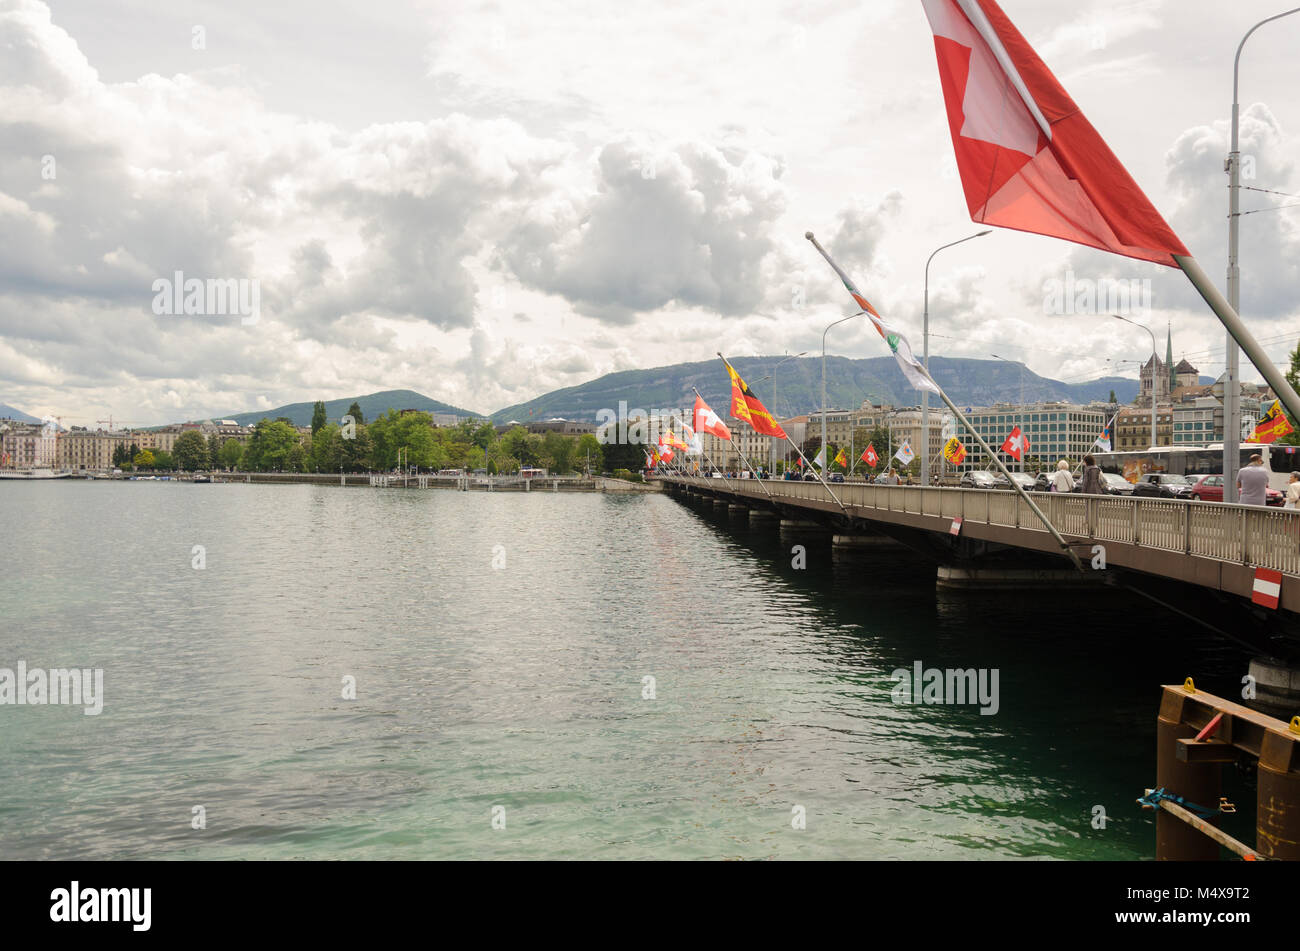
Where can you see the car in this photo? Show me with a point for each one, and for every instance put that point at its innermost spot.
(979, 479)
(1043, 482)
(837, 477)
(1025, 481)
(809, 477)
(1116, 484)
(1163, 485)
(1210, 489)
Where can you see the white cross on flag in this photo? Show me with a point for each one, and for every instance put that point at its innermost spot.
(905, 454)
(1017, 443)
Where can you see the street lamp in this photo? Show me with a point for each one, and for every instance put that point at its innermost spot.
(1022, 394)
(771, 458)
(1231, 384)
(826, 456)
(1154, 441)
(925, 347)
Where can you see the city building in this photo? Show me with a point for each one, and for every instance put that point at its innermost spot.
(28, 445)
(1055, 431)
(1133, 428)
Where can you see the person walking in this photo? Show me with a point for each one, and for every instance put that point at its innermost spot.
(1252, 482)
(1062, 481)
(1092, 477)
(1293, 492)
(892, 478)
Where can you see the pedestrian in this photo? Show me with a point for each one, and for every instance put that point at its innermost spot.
(1061, 479)
(1092, 477)
(1293, 492)
(892, 478)
(1252, 482)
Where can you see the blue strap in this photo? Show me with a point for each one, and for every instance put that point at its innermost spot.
(1154, 798)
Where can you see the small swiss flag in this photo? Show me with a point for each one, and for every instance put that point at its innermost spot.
(955, 528)
(1268, 587)
(870, 457)
(1016, 444)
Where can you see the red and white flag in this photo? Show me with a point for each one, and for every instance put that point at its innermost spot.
(707, 421)
(1016, 444)
(1028, 158)
(1267, 589)
(870, 457)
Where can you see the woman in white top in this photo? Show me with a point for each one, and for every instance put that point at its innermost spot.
(1293, 492)
(1061, 478)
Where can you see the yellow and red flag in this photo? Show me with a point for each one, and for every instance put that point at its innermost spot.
(842, 459)
(746, 406)
(1272, 427)
(954, 451)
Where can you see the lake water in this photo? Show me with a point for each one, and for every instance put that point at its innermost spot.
(521, 686)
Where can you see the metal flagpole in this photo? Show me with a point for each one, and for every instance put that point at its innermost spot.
(708, 458)
(1229, 318)
(961, 418)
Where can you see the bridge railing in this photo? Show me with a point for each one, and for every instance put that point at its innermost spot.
(1241, 534)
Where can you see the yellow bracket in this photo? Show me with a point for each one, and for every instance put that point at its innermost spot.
(1191, 687)
(1295, 725)
(1225, 806)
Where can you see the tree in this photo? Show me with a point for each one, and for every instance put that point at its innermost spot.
(1112, 398)
(163, 460)
(191, 450)
(143, 460)
(557, 453)
(230, 453)
(317, 417)
(214, 450)
(271, 446)
(121, 455)
(588, 447)
(355, 412)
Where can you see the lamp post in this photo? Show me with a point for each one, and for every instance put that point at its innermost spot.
(1154, 441)
(925, 348)
(771, 458)
(826, 454)
(1231, 376)
(1022, 395)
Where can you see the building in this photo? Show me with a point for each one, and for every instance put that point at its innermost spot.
(905, 424)
(28, 445)
(1054, 430)
(1133, 428)
(81, 449)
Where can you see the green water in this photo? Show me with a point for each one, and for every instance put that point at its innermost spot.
(521, 686)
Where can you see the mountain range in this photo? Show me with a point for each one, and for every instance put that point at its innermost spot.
(795, 390)
(375, 404)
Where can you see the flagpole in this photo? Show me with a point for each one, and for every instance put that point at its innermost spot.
(961, 418)
(707, 457)
(796, 449)
(739, 452)
(1232, 321)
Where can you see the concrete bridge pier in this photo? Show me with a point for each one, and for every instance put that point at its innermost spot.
(720, 506)
(801, 528)
(737, 511)
(1277, 687)
(846, 544)
(1004, 577)
(762, 518)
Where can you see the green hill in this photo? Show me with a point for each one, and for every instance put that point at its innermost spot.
(376, 404)
(797, 387)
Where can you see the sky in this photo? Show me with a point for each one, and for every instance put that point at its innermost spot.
(487, 201)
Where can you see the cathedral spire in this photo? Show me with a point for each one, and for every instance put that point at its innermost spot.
(1169, 358)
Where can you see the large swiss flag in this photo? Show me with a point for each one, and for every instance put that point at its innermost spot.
(1028, 158)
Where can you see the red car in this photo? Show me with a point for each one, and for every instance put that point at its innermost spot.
(1210, 489)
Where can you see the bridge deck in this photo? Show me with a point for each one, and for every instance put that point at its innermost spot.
(1205, 543)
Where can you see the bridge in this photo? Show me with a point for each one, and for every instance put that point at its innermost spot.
(1236, 555)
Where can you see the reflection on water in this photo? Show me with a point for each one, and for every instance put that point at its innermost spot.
(522, 687)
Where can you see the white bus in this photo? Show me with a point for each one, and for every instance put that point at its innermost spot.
(1195, 461)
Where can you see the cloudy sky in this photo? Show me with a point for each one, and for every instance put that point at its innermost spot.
(486, 201)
